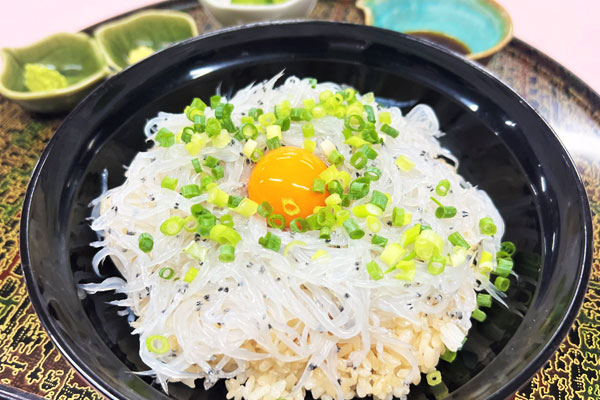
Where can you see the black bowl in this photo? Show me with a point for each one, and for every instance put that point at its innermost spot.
(502, 143)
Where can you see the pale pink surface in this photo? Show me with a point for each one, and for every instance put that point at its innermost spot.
(565, 30)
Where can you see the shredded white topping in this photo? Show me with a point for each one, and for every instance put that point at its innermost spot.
(290, 309)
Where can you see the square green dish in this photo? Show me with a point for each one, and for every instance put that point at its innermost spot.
(75, 56)
(131, 39)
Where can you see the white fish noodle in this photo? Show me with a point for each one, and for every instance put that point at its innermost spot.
(273, 325)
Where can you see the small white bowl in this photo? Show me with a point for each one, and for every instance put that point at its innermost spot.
(234, 14)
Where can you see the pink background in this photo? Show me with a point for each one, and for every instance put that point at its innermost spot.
(565, 30)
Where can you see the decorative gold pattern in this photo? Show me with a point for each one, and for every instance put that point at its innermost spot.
(29, 360)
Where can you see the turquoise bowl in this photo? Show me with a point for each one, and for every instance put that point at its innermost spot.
(482, 25)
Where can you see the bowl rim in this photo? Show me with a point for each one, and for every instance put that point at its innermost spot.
(502, 12)
(119, 23)
(7, 52)
(571, 309)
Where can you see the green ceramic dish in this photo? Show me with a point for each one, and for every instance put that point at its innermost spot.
(75, 55)
(481, 27)
(152, 29)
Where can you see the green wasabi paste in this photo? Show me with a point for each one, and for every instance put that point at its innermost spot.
(40, 78)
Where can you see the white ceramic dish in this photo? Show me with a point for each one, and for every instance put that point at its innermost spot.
(233, 14)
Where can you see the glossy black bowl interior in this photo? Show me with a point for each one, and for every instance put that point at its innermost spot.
(503, 145)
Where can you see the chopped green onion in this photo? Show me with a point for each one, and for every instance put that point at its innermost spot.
(166, 273)
(226, 253)
(398, 216)
(312, 222)
(211, 162)
(374, 270)
(308, 130)
(333, 199)
(445, 212)
(276, 221)
(319, 254)
(205, 224)
(358, 160)
(255, 113)
(358, 190)
(487, 226)
(283, 109)
(213, 127)
(504, 267)
(410, 235)
(373, 223)
(299, 225)
(388, 130)
(218, 197)
(267, 119)
(353, 229)
(442, 187)
(436, 264)
(186, 134)
(325, 233)
(368, 151)
(392, 254)
(502, 283)
(434, 378)
(234, 201)
(199, 123)
(409, 256)
(457, 240)
(296, 114)
(224, 235)
(508, 247)
(379, 240)
(190, 274)
(370, 135)
(168, 183)
(284, 123)
(265, 209)
(385, 117)
(289, 206)
(190, 224)
(196, 165)
(484, 300)
(165, 138)
(335, 158)
(354, 122)
(226, 220)
(364, 210)
(247, 207)
(249, 131)
(379, 199)
(214, 101)
(217, 172)
(197, 210)
(405, 163)
(273, 143)
(370, 113)
(334, 187)
(171, 226)
(223, 138)
(189, 191)
(145, 242)
(478, 315)
(429, 244)
(270, 241)
(448, 355)
(157, 344)
(326, 217)
(407, 269)
(206, 180)
(341, 216)
(196, 251)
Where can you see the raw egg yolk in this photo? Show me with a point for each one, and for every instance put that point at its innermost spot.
(287, 173)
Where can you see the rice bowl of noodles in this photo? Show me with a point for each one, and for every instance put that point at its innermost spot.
(304, 248)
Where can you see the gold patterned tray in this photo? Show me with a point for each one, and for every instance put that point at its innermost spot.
(31, 365)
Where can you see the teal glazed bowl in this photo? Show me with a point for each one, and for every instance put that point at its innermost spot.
(482, 27)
